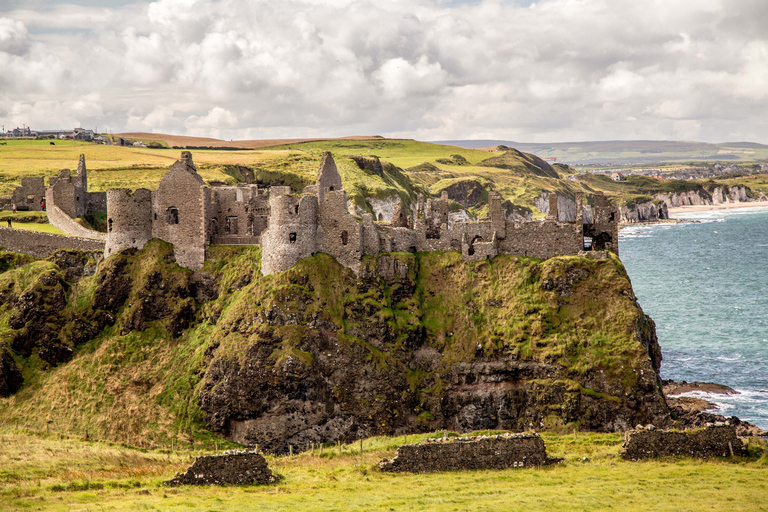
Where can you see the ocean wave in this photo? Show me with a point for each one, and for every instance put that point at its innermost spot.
(735, 357)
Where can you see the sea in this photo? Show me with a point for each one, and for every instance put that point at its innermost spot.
(705, 284)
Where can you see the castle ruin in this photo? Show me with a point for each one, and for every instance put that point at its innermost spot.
(191, 215)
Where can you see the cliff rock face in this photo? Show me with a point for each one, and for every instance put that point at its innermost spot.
(429, 341)
(647, 211)
(718, 195)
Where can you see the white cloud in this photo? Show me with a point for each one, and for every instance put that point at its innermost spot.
(14, 38)
(557, 69)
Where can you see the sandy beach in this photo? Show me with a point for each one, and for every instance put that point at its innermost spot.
(722, 206)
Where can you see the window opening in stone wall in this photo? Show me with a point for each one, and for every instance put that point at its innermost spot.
(173, 215)
(296, 210)
(214, 227)
(381, 217)
(330, 189)
(155, 216)
(344, 237)
(31, 198)
(611, 219)
(109, 222)
(471, 249)
(292, 238)
(232, 225)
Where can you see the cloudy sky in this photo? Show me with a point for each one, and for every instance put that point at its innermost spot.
(551, 70)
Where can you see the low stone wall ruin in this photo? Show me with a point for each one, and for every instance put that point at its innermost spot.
(41, 245)
(229, 468)
(714, 441)
(463, 453)
(65, 223)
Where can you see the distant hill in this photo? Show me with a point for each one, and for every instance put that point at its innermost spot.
(625, 152)
(182, 141)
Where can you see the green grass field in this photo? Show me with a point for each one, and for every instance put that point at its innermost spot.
(47, 471)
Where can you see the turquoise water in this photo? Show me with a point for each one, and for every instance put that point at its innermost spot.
(706, 286)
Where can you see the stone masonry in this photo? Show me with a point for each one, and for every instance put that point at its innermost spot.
(229, 468)
(191, 215)
(467, 453)
(714, 441)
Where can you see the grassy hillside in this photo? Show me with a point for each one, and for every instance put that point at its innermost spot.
(133, 348)
(49, 472)
(626, 152)
(407, 167)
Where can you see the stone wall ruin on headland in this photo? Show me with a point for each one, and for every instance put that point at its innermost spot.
(191, 215)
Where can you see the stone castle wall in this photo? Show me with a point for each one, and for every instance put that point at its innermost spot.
(41, 245)
(59, 219)
(30, 194)
(179, 212)
(338, 232)
(187, 213)
(95, 202)
(129, 219)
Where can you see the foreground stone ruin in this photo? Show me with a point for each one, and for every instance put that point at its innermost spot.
(714, 441)
(462, 453)
(229, 468)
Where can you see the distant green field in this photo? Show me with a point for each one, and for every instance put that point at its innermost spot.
(40, 471)
(424, 168)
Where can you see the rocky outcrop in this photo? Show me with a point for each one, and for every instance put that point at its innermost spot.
(715, 441)
(468, 453)
(717, 195)
(416, 344)
(229, 468)
(690, 198)
(649, 211)
(10, 376)
(467, 193)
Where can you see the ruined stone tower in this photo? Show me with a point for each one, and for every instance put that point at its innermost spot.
(129, 219)
(291, 233)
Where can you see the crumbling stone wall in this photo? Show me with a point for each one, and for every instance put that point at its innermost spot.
(129, 219)
(714, 441)
(229, 468)
(96, 202)
(238, 215)
(30, 194)
(179, 212)
(41, 245)
(190, 215)
(64, 222)
(457, 454)
(604, 229)
(328, 178)
(338, 232)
